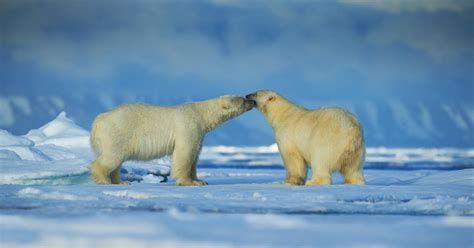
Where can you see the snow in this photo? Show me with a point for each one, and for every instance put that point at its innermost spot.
(128, 194)
(8, 155)
(61, 132)
(376, 157)
(8, 139)
(26, 153)
(414, 197)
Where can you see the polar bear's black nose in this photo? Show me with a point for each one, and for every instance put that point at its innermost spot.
(250, 96)
(250, 103)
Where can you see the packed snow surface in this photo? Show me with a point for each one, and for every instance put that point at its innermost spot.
(413, 197)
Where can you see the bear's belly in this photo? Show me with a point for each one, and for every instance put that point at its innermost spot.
(150, 147)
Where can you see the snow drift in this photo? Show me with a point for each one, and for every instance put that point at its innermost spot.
(47, 196)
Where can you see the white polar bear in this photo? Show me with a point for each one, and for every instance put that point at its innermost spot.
(330, 139)
(146, 132)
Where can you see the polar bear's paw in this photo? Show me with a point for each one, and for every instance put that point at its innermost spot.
(191, 183)
(100, 178)
(200, 182)
(319, 181)
(292, 181)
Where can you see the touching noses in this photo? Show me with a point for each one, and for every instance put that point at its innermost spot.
(250, 96)
(253, 102)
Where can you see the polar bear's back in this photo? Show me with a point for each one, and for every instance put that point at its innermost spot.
(323, 132)
(136, 131)
(324, 122)
(334, 125)
(339, 117)
(338, 134)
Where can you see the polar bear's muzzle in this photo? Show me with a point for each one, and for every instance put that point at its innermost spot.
(249, 103)
(251, 96)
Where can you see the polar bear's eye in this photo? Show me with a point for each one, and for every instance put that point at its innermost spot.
(271, 98)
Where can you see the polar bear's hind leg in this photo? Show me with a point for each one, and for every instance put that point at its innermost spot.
(102, 169)
(354, 178)
(99, 175)
(352, 161)
(115, 177)
(352, 168)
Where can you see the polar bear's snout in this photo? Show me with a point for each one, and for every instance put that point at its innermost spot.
(250, 103)
(250, 96)
(253, 97)
(262, 97)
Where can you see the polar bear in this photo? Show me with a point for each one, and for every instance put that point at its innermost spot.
(145, 132)
(330, 139)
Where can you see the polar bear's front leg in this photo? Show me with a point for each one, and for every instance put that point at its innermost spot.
(319, 177)
(295, 167)
(194, 174)
(183, 165)
(321, 165)
(115, 177)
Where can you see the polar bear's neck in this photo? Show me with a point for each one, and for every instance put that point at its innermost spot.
(212, 114)
(281, 110)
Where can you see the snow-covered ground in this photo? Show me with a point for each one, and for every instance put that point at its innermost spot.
(413, 197)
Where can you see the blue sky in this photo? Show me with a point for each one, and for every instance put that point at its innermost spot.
(308, 49)
(328, 52)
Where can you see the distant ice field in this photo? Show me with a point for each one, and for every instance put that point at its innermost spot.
(414, 197)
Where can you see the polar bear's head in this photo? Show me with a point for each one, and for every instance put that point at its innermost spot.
(216, 111)
(266, 100)
(227, 108)
(236, 105)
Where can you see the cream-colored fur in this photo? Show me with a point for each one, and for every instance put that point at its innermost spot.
(145, 132)
(330, 139)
